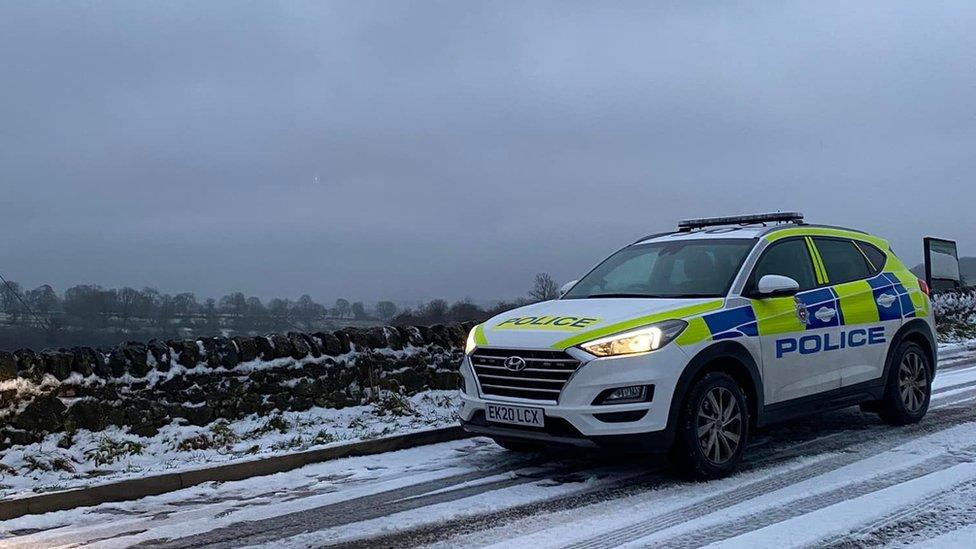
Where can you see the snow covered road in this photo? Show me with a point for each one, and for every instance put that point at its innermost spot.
(842, 479)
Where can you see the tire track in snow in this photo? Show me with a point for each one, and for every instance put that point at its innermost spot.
(835, 442)
(944, 420)
(937, 514)
(367, 507)
(803, 506)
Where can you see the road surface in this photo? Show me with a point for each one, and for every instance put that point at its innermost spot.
(840, 480)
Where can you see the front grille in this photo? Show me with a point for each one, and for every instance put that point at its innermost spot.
(543, 378)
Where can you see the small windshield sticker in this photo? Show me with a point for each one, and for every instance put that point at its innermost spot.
(570, 323)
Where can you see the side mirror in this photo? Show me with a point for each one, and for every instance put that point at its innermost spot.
(567, 287)
(777, 286)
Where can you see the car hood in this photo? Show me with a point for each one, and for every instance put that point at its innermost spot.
(560, 324)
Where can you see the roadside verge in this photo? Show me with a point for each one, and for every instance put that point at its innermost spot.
(127, 490)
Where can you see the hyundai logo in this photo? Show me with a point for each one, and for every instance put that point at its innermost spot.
(515, 363)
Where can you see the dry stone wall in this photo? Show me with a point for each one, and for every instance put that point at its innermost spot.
(143, 386)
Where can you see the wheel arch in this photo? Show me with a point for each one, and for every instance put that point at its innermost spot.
(730, 357)
(919, 332)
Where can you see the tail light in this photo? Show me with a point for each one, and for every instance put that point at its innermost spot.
(924, 287)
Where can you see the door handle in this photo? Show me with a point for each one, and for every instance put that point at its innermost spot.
(825, 314)
(886, 300)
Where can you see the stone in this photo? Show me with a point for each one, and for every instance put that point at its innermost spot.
(412, 335)
(299, 347)
(29, 365)
(265, 348)
(135, 356)
(394, 340)
(198, 415)
(44, 414)
(344, 343)
(84, 360)
(57, 363)
(445, 380)
(226, 350)
(247, 349)
(117, 362)
(160, 353)
(330, 344)
(313, 347)
(376, 338)
(187, 351)
(89, 414)
(8, 366)
(102, 367)
(411, 380)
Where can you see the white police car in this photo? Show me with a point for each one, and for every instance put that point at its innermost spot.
(685, 341)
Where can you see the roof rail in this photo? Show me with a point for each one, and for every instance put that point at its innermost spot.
(777, 217)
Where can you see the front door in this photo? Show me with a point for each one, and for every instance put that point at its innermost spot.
(794, 331)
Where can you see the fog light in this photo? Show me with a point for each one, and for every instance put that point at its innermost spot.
(636, 392)
(626, 395)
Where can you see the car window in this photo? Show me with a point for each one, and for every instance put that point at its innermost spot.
(875, 256)
(692, 268)
(842, 259)
(787, 258)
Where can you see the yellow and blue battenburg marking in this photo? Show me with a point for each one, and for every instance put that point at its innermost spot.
(880, 298)
(731, 323)
(889, 283)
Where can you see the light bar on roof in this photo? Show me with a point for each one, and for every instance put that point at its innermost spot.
(778, 217)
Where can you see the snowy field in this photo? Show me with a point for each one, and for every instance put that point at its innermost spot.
(839, 480)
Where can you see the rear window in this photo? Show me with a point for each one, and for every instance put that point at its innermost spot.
(875, 256)
(842, 259)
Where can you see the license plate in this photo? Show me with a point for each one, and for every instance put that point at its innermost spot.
(515, 415)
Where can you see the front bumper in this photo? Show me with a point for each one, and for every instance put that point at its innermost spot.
(574, 420)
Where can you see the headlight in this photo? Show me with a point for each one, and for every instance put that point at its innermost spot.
(470, 344)
(642, 340)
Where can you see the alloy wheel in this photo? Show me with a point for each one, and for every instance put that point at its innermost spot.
(719, 425)
(912, 382)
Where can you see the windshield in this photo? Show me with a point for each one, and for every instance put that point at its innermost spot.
(694, 268)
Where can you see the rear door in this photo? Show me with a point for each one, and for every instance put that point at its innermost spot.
(869, 305)
(791, 336)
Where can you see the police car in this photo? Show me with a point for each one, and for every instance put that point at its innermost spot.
(687, 341)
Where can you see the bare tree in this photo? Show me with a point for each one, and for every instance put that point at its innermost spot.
(545, 288)
(342, 307)
(359, 311)
(386, 310)
(43, 300)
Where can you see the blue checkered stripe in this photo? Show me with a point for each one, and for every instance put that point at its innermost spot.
(741, 321)
(902, 307)
(821, 298)
(732, 323)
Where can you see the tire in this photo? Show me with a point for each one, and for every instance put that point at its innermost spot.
(708, 447)
(909, 387)
(521, 446)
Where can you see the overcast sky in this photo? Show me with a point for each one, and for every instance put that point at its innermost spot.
(410, 150)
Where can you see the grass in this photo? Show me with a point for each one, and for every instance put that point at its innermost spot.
(110, 450)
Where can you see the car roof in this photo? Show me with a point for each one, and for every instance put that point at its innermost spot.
(756, 232)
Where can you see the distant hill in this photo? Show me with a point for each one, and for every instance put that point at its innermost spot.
(967, 268)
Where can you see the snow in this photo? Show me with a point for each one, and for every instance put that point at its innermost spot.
(847, 515)
(820, 495)
(180, 447)
(956, 539)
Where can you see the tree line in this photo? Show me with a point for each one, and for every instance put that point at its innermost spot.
(96, 315)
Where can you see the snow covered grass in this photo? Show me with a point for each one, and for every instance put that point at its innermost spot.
(64, 461)
(955, 314)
